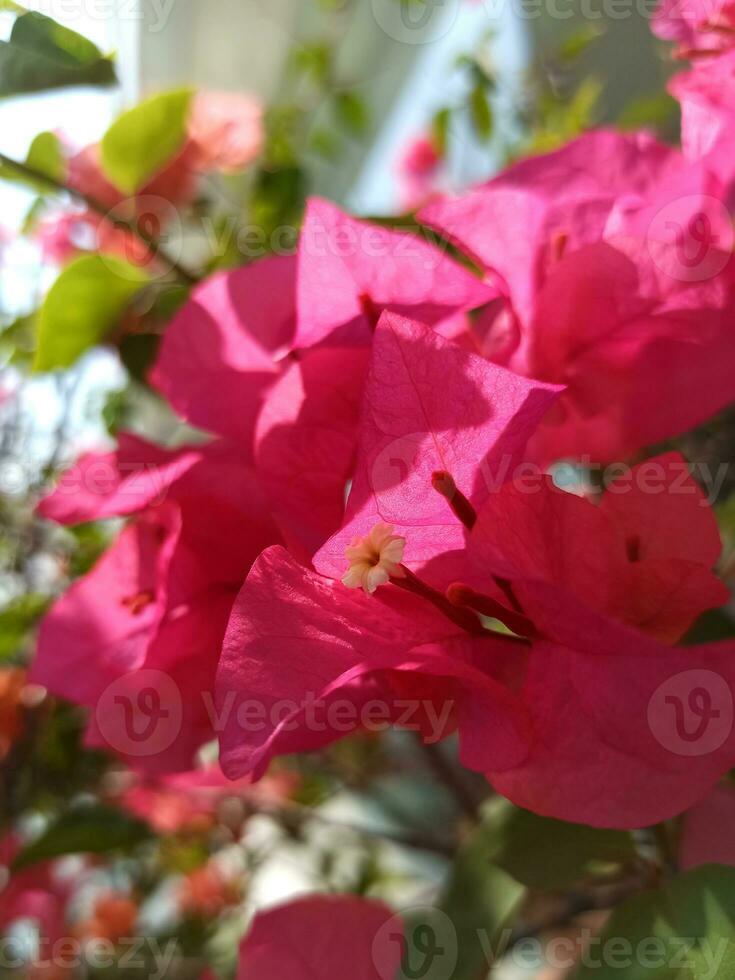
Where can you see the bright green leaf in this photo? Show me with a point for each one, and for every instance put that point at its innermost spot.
(42, 54)
(686, 931)
(144, 139)
(352, 112)
(94, 829)
(82, 307)
(648, 110)
(17, 620)
(579, 41)
(440, 130)
(481, 112)
(46, 156)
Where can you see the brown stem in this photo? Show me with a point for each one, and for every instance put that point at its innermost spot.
(101, 209)
(447, 774)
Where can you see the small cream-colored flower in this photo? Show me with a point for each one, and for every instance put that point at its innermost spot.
(374, 559)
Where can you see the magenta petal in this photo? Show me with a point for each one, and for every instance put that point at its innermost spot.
(514, 224)
(622, 740)
(324, 937)
(103, 625)
(219, 354)
(179, 673)
(534, 530)
(430, 405)
(664, 508)
(306, 441)
(101, 485)
(350, 271)
(301, 648)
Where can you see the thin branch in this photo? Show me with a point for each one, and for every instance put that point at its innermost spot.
(150, 241)
(451, 777)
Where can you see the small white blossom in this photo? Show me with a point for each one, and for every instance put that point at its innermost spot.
(374, 559)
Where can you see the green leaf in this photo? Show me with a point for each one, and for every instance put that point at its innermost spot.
(142, 140)
(648, 110)
(711, 626)
(478, 900)
(277, 201)
(95, 829)
(42, 54)
(440, 130)
(549, 854)
(17, 620)
(686, 931)
(481, 112)
(352, 112)
(46, 156)
(84, 304)
(579, 41)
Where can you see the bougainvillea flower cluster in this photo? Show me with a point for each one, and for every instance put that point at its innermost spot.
(374, 533)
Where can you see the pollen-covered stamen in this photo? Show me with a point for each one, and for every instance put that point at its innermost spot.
(374, 559)
(463, 596)
(444, 484)
(138, 602)
(559, 243)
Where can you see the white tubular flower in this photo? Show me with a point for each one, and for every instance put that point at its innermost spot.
(374, 559)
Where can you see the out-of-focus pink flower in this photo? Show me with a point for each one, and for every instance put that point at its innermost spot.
(418, 169)
(706, 93)
(63, 236)
(326, 937)
(188, 801)
(700, 27)
(12, 682)
(226, 129)
(113, 917)
(208, 891)
(37, 894)
(174, 184)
